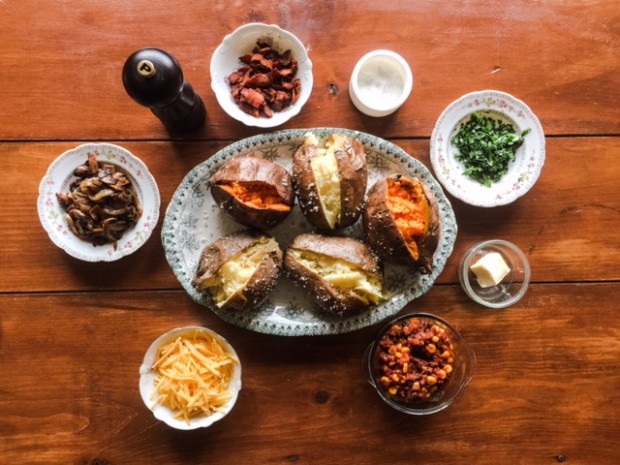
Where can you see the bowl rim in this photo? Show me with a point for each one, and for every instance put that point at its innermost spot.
(470, 357)
(147, 376)
(221, 89)
(466, 262)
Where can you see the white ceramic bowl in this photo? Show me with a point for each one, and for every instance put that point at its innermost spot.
(225, 60)
(380, 83)
(522, 173)
(511, 289)
(148, 376)
(58, 178)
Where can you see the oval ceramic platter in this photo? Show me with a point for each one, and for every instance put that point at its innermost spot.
(193, 220)
(522, 172)
(60, 175)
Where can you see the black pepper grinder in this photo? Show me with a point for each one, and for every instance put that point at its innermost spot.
(153, 78)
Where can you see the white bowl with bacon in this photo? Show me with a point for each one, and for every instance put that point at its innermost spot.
(226, 63)
(190, 377)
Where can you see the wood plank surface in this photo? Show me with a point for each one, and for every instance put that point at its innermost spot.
(73, 334)
(567, 229)
(60, 62)
(555, 396)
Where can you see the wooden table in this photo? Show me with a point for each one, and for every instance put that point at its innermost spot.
(73, 334)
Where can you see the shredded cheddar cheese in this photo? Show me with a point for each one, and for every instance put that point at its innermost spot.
(193, 375)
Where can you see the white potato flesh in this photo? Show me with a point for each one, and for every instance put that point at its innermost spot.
(234, 274)
(344, 276)
(325, 171)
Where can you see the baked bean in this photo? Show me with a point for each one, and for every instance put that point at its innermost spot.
(413, 360)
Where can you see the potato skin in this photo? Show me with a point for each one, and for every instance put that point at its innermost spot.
(256, 170)
(353, 175)
(323, 293)
(263, 280)
(384, 237)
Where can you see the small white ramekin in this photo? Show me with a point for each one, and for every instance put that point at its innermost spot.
(380, 83)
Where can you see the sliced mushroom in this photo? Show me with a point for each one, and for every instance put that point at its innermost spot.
(101, 204)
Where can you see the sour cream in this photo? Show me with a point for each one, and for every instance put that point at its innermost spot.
(380, 83)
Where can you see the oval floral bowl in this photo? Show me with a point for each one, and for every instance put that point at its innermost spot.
(194, 220)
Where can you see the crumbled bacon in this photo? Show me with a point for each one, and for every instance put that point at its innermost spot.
(266, 83)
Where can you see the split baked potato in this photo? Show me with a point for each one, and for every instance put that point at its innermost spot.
(253, 191)
(340, 274)
(238, 271)
(330, 178)
(401, 222)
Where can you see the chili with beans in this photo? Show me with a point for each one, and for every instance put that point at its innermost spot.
(413, 360)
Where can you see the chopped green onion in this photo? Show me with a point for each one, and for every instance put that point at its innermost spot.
(486, 147)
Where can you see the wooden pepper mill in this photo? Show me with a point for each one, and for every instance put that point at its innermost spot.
(154, 78)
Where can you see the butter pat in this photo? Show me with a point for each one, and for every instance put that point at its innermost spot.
(490, 269)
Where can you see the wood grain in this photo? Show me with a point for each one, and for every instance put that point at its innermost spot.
(72, 334)
(61, 61)
(546, 384)
(567, 229)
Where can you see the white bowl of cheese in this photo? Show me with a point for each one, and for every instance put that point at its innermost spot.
(190, 377)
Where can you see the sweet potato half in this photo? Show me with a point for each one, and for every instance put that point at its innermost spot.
(253, 191)
(401, 222)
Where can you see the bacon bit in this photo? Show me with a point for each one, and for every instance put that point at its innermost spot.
(267, 82)
(253, 97)
(258, 80)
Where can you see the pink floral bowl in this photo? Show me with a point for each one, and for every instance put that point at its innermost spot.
(522, 173)
(58, 178)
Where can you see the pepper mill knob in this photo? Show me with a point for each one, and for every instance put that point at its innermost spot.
(154, 79)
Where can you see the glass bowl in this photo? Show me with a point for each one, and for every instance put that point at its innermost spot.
(514, 285)
(401, 374)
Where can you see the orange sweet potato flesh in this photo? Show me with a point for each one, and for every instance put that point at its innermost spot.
(410, 209)
(257, 194)
(253, 191)
(401, 222)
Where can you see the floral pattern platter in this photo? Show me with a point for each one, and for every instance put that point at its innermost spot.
(60, 175)
(522, 173)
(193, 220)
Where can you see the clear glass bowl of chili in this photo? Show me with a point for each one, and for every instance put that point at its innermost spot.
(419, 364)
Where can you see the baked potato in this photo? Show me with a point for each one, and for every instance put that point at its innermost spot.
(330, 179)
(401, 222)
(239, 270)
(340, 274)
(253, 191)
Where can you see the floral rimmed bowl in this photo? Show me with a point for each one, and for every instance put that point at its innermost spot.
(58, 178)
(522, 173)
